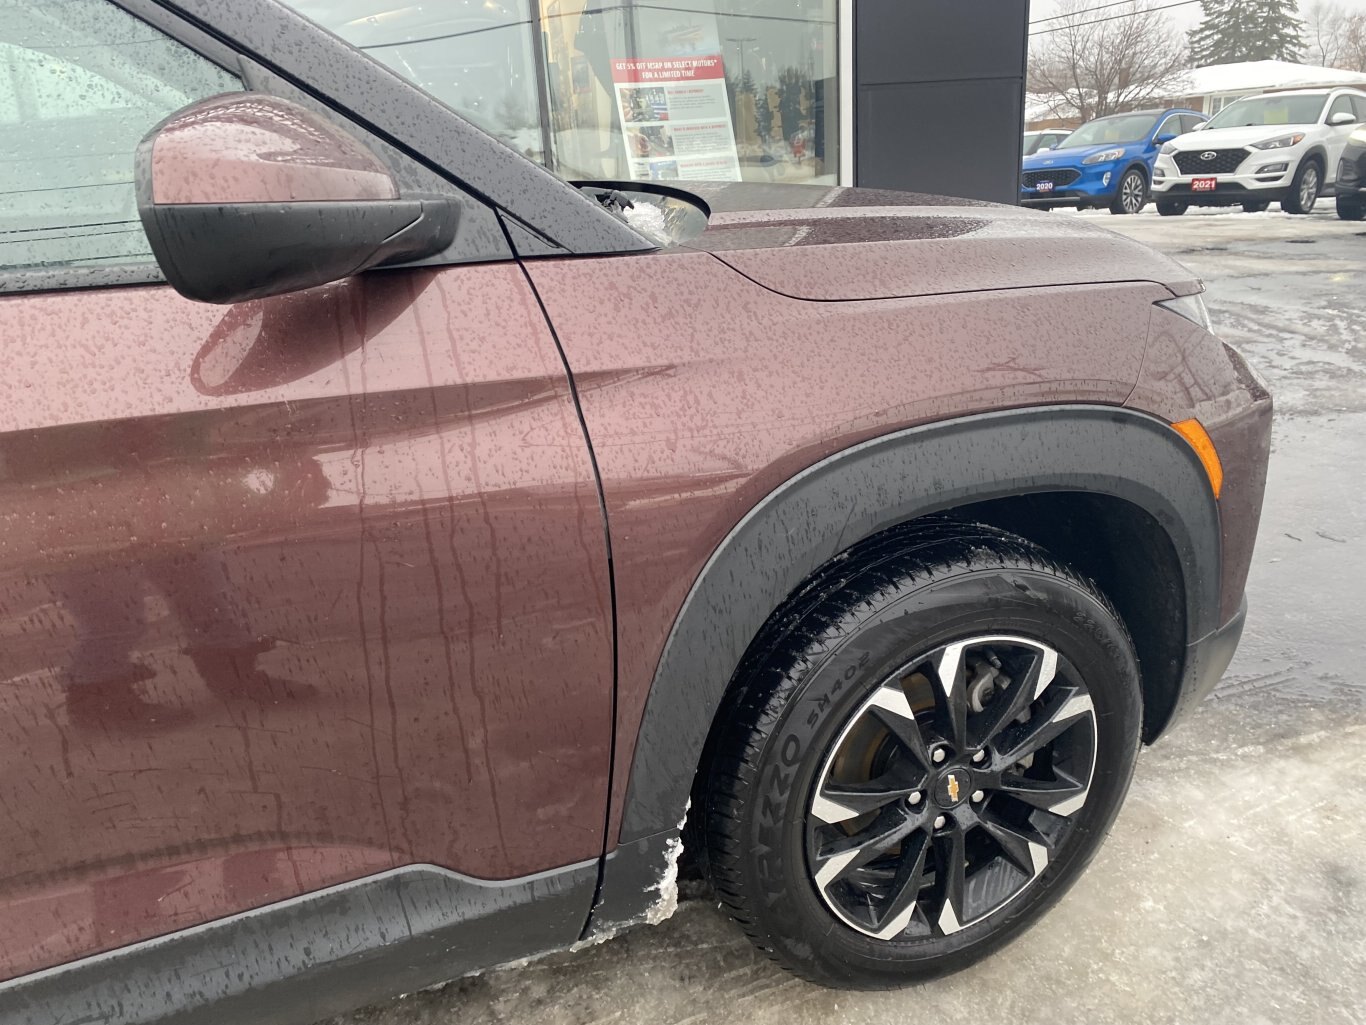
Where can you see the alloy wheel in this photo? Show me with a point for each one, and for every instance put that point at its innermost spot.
(950, 787)
(1309, 188)
(1131, 193)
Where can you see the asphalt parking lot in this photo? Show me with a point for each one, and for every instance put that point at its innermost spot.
(1233, 888)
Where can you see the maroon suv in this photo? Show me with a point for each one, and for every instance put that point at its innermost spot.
(397, 591)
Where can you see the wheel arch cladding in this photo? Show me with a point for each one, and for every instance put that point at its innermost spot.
(859, 492)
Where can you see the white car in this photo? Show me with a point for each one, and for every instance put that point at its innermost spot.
(1044, 139)
(1274, 147)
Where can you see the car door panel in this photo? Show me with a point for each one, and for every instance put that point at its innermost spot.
(291, 592)
(1335, 139)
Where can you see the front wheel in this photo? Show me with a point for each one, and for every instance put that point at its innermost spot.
(1351, 208)
(1132, 194)
(923, 763)
(1304, 189)
(1172, 207)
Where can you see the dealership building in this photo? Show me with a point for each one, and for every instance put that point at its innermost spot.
(926, 95)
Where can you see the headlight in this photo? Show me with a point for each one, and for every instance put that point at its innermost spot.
(1192, 307)
(1105, 157)
(1168, 148)
(1281, 142)
(1358, 136)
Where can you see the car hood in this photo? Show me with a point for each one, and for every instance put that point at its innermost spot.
(1072, 156)
(1234, 136)
(839, 244)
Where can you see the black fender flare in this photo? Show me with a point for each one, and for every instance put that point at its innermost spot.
(875, 485)
(1142, 168)
(1321, 154)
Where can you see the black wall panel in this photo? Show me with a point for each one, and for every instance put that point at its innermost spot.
(939, 103)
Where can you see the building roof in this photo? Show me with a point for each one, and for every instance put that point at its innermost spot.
(1253, 76)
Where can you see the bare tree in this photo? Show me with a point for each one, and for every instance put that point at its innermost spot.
(1323, 24)
(1089, 65)
(1336, 37)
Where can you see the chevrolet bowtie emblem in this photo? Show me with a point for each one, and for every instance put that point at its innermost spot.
(953, 787)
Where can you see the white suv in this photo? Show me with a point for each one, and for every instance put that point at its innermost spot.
(1274, 146)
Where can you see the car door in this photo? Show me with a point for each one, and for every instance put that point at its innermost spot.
(1335, 139)
(293, 591)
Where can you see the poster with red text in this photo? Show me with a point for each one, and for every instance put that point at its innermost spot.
(676, 118)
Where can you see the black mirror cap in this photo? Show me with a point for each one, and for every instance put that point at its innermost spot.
(247, 195)
(232, 252)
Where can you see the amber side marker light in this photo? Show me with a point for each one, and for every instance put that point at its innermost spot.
(1194, 432)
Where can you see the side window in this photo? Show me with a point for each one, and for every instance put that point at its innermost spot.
(81, 82)
(1342, 105)
(1189, 121)
(1359, 102)
(1171, 126)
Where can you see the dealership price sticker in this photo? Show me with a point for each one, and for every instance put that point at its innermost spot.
(676, 118)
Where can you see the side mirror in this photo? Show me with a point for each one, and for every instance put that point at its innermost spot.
(1164, 138)
(245, 196)
(1044, 149)
(1342, 117)
(1201, 126)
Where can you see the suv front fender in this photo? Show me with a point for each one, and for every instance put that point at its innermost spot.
(850, 496)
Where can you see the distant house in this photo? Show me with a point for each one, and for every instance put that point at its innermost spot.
(1212, 88)
(1209, 89)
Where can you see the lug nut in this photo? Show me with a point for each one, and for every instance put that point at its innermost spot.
(937, 755)
(977, 796)
(914, 799)
(939, 822)
(978, 757)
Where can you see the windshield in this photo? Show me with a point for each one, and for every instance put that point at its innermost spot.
(1119, 129)
(1271, 110)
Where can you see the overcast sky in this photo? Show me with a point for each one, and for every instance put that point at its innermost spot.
(1186, 16)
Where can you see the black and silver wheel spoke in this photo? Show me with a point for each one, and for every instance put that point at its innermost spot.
(839, 802)
(890, 707)
(1021, 693)
(1065, 707)
(951, 672)
(948, 790)
(841, 857)
(1061, 796)
(894, 917)
(951, 870)
(1023, 845)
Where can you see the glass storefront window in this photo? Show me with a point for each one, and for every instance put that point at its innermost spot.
(473, 55)
(720, 89)
(632, 89)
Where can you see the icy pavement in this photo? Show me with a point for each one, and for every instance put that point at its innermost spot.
(1233, 889)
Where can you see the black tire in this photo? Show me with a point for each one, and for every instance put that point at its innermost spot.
(1351, 208)
(1304, 187)
(856, 627)
(1255, 206)
(1172, 207)
(1131, 194)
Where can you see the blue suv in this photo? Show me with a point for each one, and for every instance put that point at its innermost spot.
(1106, 162)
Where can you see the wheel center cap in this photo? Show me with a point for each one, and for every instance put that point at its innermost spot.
(952, 787)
